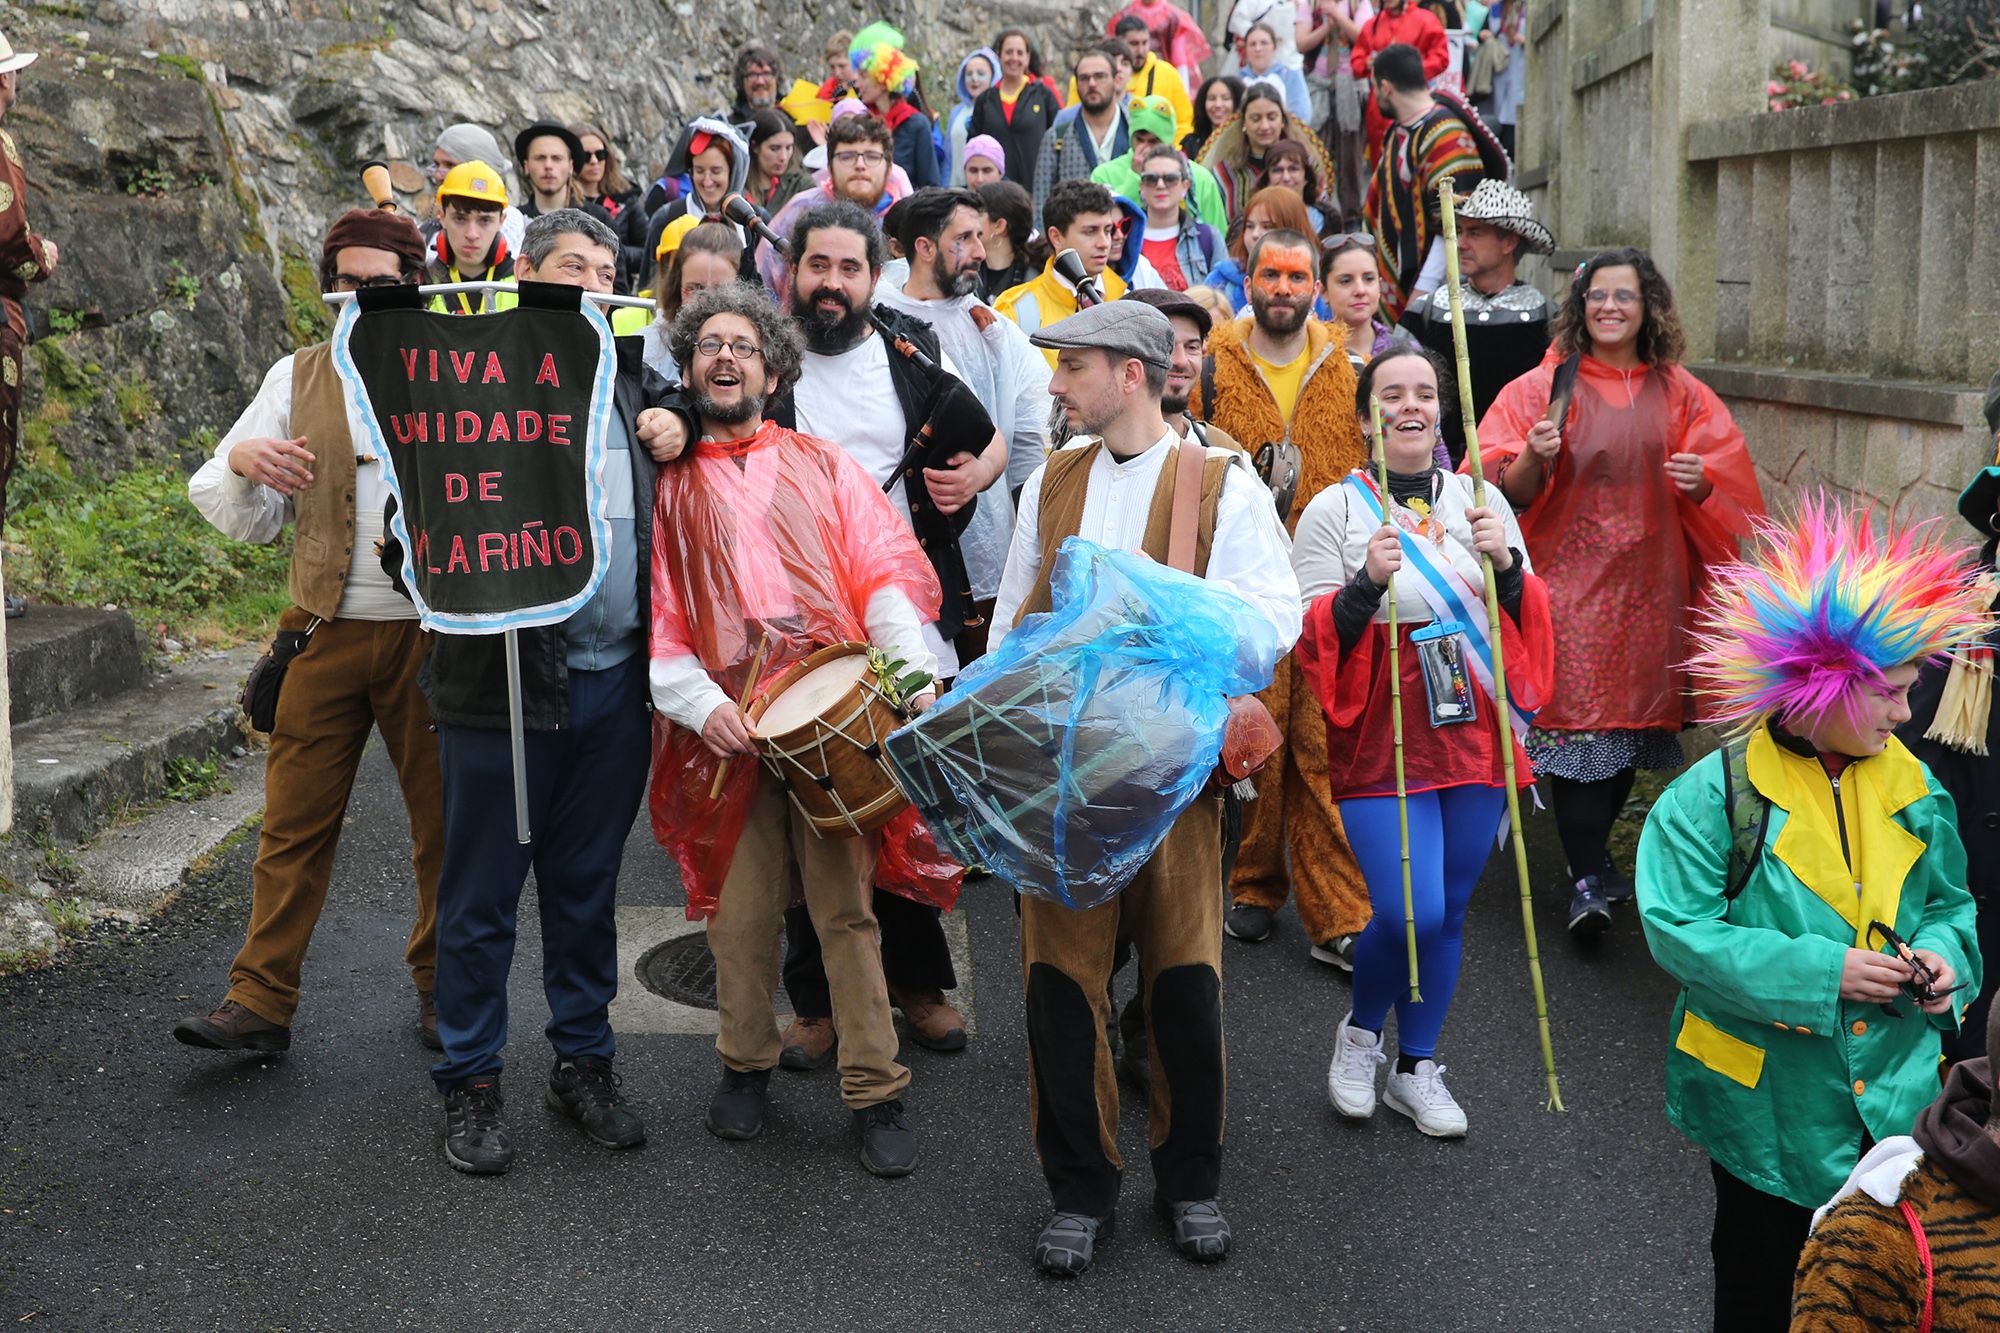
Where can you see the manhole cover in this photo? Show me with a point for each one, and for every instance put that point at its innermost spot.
(683, 970)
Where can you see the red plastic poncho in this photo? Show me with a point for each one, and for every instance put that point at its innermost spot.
(780, 538)
(1624, 553)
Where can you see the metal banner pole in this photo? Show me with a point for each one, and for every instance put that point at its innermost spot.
(517, 738)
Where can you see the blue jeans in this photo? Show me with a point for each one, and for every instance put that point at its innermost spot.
(584, 788)
(1451, 835)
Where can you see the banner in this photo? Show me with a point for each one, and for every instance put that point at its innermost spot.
(492, 433)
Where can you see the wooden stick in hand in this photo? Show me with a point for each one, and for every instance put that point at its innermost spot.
(742, 702)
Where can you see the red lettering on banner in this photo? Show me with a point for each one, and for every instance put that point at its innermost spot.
(534, 545)
(489, 485)
(467, 434)
(547, 374)
(457, 563)
(498, 433)
(455, 488)
(410, 362)
(423, 555)
(493, 375)
(575, 545)
(558, 427)
(434, 365)
(527, 427)
(411, 426)
(492, 547)
(463, 369)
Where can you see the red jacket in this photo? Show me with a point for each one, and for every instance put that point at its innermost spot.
(1412, 27)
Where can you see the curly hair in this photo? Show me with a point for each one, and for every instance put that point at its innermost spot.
(1661, 341)
(784, 349)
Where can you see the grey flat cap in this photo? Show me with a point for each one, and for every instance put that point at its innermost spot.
(1122, 328)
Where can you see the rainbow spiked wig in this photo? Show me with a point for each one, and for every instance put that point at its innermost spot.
(890, 66)
(1825, 608)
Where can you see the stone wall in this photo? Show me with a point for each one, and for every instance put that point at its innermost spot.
(1835, 287)
(187, 154)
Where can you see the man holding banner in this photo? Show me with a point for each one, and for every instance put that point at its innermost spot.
(301, 453)
(524, 514)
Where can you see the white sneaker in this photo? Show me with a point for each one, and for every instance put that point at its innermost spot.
(1350, 1079)
(1421, 1095)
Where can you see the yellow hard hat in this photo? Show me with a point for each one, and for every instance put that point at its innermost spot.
(474, 181)
(671, 234)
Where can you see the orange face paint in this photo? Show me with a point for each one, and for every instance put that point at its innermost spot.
(1284, 271)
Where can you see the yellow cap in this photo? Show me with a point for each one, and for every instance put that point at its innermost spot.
(474, 181)
(670, 236)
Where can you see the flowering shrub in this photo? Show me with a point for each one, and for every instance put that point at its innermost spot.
(1792, 84)
(1946, 42)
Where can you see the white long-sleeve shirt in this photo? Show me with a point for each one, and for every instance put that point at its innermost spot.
(1249, 553)
(246, 511)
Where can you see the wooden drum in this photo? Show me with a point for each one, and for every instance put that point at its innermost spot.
(821, 726)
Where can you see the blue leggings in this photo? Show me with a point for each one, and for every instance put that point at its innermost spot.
(1451, 832)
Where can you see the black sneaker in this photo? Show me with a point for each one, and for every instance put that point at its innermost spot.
(1618, 888)
(736, 1111)
(1201, 1232)
(1069, 1242)
(586, 1090)
(1336, 952)
(888, 1144)
(1589, 914)
(475, 1141)
(1248, 922)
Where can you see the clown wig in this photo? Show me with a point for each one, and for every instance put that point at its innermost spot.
(1825, 608)
(890, 66)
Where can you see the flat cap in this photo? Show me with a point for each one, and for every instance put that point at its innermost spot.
(1122, 328)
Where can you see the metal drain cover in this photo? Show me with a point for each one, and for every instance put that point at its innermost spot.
(683, 970)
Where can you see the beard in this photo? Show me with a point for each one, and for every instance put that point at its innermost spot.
(828, 334)
(1171, 406)
(746, 408)
(1280, 316)
(952, 285)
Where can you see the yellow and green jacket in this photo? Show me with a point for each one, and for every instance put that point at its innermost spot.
(1768, 1069)
(625, 319)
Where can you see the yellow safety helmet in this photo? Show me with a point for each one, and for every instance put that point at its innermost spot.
(671, 234)
(473, 181)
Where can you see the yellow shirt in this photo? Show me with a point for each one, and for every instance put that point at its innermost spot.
(1284, 380)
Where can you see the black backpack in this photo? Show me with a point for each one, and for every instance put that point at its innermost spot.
(1749, 812)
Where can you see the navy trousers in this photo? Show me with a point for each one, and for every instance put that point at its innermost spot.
(584, 789)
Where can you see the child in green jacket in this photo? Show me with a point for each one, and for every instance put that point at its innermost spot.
(1806, 885)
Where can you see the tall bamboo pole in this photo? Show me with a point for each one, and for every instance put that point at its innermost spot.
(1396, 707)
(1448, 202)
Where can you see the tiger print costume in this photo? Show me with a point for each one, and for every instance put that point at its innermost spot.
(1861, 1268)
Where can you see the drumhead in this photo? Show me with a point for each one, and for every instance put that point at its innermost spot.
(811, 695)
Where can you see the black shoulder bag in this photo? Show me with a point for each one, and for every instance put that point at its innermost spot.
(267, 676)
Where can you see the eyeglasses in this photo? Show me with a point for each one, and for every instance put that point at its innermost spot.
(596, 154)
(850, 157)
(1623, 298)
(1358, 237)
(740, 348)
(1092, 78)
(1158, 181)
(347, 282)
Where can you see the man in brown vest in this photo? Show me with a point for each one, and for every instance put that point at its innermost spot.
(296, 454)
(1116, 484)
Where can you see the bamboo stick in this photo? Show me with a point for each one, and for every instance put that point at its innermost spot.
(1448, 208)
(1396, 708)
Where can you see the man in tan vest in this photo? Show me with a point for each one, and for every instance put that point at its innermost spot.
(1116, 484)
(296, 454)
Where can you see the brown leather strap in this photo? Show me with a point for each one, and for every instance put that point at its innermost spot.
(1187, 506)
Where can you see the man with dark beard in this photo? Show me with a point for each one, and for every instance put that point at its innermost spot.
(1281, 377)
(779, 544)
(872, 399)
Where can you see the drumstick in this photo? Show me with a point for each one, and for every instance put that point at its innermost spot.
(742, 702)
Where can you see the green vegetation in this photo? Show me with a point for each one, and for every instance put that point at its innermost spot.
(305, 313)
(65, 321)
(190, 780)
(70, 916)
(149, 181)
(134, 396)
(183, 286)
(1647, 785)
(134, 541)
(187, 65)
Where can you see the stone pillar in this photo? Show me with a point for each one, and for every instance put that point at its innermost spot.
(1702, 70)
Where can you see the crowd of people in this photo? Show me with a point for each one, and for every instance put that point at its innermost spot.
(1208, 319)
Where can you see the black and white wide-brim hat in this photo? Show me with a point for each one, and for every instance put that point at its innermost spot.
(1499, 204)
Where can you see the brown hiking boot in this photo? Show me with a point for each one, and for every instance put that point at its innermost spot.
(933, 1023)
(231, 1027)
(427, 1020)
(807, 1044)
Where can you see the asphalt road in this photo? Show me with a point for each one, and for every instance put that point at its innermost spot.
(145, 1185)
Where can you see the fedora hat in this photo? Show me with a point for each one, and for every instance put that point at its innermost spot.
(11, 60)
(1501, 205)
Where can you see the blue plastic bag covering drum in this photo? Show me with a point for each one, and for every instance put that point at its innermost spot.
(1061, 759)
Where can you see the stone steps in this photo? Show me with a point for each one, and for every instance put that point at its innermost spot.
(65, 657)
(75, 770)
